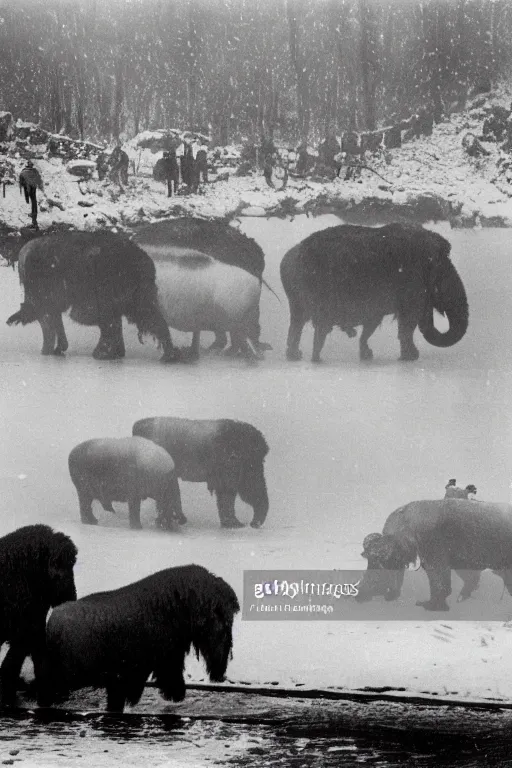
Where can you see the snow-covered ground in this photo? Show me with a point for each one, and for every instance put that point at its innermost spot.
(429, 173)
(348, 444)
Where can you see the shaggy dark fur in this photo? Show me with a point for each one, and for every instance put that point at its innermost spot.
(216, 238)
(464, 535)
(115, 640)
(228, 455)
(100, 277)
(351, 275)
(36, 573)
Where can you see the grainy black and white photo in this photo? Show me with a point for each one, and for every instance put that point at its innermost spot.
(256, 383)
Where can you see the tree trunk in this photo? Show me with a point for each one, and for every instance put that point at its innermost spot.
(367, 59)
(118, 98)
(193, 64)
(294, 12)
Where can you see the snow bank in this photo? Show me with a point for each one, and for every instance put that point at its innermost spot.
(427, 179)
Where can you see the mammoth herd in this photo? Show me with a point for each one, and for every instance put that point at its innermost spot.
(113, 640)
(195, 275)
(225, 454)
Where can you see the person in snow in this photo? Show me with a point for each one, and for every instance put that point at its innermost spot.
(452, 491)
(119, 163)
(30, 182)
(167, 170)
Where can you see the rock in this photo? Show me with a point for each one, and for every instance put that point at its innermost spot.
(81, 168)
(83, 204)
(253, 210)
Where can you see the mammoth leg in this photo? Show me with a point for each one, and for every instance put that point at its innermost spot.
(439, 578)
(406, 328)
(194, 349)
(321, 331)
(506, 575)
(239, 343)
(221, 339)
(169, 507)
(149, 319)
(47, 323)
(10, 672)
(134, 512)
(85, 500)
(62, 342)
(226, 508)
(169, 678)
(471, 580)
(111, 344)
(116, 696)
(298, 319)
(369, 327)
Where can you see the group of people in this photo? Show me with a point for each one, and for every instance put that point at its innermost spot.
(188, 161)
(452, 491)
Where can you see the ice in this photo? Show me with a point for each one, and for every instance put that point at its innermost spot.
(349, 442)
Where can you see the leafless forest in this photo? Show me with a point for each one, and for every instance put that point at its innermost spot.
(244, 68)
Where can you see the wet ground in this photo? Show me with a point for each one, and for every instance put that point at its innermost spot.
(251, 731)
(348, 444)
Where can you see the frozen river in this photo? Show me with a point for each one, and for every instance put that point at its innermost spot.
(349, 442)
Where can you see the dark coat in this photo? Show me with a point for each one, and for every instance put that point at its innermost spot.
(36, 574)
(116, 639)
(100, 276)
(166, 169)
(215, 238)
(30, 178)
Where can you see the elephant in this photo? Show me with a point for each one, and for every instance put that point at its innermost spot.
(352, 275)
(126, 469)
(100, 277)
(196, 292)
(214, 238)
(463, 535)
(227, 455)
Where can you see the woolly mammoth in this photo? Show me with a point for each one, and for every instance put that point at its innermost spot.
(125, 469)
(166, 241)
(463, 535)
(227, 455)
(116, 639)
(36, 574)
(101, 277)
(350, 275)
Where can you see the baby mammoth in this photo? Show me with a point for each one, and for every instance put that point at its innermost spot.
(125, 469)
(227, 455)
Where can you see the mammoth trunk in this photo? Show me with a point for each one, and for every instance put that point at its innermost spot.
(448, 297)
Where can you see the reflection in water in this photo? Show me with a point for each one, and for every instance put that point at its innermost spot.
(105, 740)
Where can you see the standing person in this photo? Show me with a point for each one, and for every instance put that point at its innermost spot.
(202, 162)
(187, 165)
(30, 181)
(171, 172)
(119, 163)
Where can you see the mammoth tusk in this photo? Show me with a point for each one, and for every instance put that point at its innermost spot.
(416, 566)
